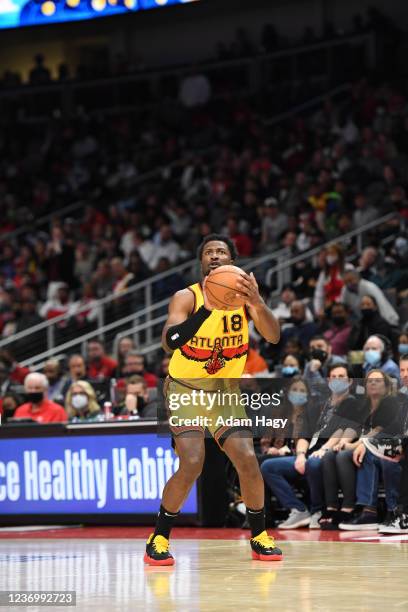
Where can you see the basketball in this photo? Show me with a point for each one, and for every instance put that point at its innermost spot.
(221, 288)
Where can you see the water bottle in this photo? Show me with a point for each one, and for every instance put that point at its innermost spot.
(107, 410)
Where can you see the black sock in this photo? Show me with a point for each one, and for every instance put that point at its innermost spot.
(165, 522)
(256, 520)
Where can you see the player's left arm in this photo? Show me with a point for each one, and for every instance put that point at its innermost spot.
(264, 321)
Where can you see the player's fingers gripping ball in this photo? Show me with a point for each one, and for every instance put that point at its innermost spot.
(224, 288)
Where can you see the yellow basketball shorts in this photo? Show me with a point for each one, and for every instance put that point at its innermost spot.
(200, 405)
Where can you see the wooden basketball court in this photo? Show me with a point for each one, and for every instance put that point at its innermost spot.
(213, 571)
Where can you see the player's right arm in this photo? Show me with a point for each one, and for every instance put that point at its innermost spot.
(182, 323)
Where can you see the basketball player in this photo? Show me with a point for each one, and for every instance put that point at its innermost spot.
(212, 344)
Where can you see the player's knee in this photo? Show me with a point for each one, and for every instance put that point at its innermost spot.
(246, 461)
(192, 465)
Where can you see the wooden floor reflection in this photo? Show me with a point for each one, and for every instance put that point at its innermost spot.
(212, 575)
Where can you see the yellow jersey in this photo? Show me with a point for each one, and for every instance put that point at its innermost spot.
(218, 349)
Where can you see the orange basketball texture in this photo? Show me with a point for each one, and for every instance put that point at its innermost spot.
(221, 290)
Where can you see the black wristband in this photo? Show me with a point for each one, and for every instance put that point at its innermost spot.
(177, 335)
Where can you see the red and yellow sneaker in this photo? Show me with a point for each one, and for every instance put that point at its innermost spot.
(157, 551)
(264, 548)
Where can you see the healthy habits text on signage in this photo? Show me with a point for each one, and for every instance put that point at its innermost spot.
(86, 474)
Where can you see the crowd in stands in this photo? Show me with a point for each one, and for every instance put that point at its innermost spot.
(219, 168)
(297, 186)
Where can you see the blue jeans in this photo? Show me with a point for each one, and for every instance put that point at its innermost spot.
(280, 474)
(367, 481)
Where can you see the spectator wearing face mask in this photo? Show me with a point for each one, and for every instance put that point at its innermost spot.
(81, 403)
(316, 439)
(339, 329)
(320, 360)
(330, 281)
(376, 411)
(292, 365)
(38, 407)
(398, 522)
(371, 322)
(299, 412)
(403, 344)
(376, 356)
(356, 288)
(301, 329)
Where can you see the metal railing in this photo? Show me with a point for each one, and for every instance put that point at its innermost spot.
(282, 272)
(358, 234)
(141, 323)
(145, 324)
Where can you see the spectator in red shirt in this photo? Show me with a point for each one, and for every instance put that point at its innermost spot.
(135, 364)
(99, 364)
(16, 373)
(242, 241)
(38, 407)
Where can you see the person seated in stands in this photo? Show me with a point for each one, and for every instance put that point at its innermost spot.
(355, 288)
(369, 469)
(371, 322)
(8, 405)
(319, 363)
(292, 365)
(99, 364)
(330, 281)
(292, 347)
(37, 406)
(255, 363)
(403, 344)
(398, 522)
(56, 381)
(282, 309)
(76, 371)
(81, 403)
(59, 304)
(124, 345)
(5, 379)
(86, 310)
(368, 264)
(135, 364)
(339, 329)
(377, 410)
(302, 329)
(377, 354)
(282, 472)
(138, 401)
(16, 373)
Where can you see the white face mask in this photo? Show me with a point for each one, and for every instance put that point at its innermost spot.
(79, 401)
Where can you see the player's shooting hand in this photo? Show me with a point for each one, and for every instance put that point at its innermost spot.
(247, 286)
(207, 303)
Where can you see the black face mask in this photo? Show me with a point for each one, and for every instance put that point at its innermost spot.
(35, 397)
(319, 354)
(367, 313)
(339, 320)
